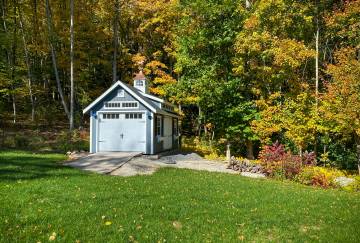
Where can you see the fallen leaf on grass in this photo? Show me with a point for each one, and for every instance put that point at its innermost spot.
(177, 225)
(108, 223)
(52, 236)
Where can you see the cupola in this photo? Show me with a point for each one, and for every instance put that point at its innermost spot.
(140, 82)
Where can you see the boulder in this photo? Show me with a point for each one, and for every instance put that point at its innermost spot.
(253, 175)
(344, 181)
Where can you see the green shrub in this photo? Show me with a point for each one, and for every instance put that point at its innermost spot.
(37, 142)
(343, 155)
(9, 142)
(71, 141)
(22, 142)
(209, 149)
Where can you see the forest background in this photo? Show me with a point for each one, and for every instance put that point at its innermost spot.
(243, 72)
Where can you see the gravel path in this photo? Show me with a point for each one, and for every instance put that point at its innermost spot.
(145, 166)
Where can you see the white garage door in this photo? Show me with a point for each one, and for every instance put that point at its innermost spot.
(122, 132)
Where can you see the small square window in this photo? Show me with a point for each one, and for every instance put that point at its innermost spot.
(139, 83)
(121, 93)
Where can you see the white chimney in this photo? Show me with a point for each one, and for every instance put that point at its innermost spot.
(140, 82)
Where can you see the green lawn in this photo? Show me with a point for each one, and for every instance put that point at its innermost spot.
(38, 196)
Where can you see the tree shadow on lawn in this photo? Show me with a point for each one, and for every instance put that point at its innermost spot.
(25, 167)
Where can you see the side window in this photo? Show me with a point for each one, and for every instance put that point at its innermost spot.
(175, 127)
(158, 126)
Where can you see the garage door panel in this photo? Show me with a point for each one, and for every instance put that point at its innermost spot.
(122, 134)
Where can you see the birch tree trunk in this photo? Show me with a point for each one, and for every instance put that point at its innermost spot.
(27, 62)
(53, 57)
(116, 23)
(71, 65)
(247, 3)
(316, 72)
(13, 64)
(10, 59)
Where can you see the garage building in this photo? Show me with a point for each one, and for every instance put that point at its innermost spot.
(128, 118)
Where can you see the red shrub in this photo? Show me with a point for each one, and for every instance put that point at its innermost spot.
(309, 158)
(271, 153)
(279, 163)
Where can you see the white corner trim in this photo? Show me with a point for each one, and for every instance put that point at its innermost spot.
(91, 134)
(152, 133)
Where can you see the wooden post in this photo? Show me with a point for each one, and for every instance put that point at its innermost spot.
(228, 154)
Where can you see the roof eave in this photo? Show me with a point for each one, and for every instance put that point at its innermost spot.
(118, 83)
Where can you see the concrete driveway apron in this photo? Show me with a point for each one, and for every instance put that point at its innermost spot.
(104, 162)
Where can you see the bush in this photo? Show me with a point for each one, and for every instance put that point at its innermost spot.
(21, 142)
(278, 163)
(210, 150)
(309, 158)
(9, 142)
(71, 141)
(318, 176)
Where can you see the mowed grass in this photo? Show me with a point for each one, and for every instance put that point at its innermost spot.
(39, 196)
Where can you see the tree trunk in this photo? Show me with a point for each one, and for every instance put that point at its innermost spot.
(71, 65)
(27, 62)
(357, 141)
(250, 149)
(317, 67)
(13, 63)
(247, 4)
(10, 59)
(53, 57)
(199, 122)
(116, 23)
(316, 81)
(14, 108)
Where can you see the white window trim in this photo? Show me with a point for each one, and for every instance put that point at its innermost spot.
(121, 108)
